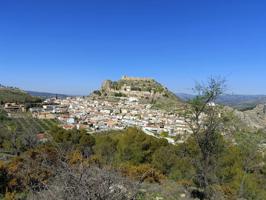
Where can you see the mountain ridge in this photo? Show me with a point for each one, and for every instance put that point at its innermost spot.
(241, 102)
(46, 94)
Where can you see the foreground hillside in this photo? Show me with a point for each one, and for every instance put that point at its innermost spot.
(129, 165)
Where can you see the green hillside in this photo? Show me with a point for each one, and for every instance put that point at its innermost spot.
(16, 95)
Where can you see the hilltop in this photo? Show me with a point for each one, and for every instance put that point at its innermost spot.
(12, 94)
(147, 90)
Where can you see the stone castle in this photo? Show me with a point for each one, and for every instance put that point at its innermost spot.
(143, 88)
(127, 78)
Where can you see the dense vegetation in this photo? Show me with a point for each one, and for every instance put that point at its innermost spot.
(238, 172)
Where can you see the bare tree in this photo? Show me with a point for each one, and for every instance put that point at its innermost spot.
(203, 117)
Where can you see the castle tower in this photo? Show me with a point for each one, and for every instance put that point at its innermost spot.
(124, 77)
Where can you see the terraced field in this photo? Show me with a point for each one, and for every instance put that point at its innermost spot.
(19, 130)
(26, 124)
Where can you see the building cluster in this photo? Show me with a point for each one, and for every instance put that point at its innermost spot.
(14, 107)
(98, 115)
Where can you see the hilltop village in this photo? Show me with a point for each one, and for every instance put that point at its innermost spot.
(117, 106)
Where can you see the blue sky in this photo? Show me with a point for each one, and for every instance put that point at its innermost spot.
(71, 46)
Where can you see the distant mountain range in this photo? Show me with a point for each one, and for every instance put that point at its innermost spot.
(240, 102)
(46, 95)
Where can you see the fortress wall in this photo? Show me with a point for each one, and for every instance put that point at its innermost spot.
(127, 78)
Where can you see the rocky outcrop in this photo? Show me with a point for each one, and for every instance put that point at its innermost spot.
(106, 86)
(134, 86)
(147, 90)
(255, 118)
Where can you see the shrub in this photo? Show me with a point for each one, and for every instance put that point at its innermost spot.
(144, 172)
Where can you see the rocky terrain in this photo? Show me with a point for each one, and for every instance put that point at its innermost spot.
(255, 118)
(250, 109)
